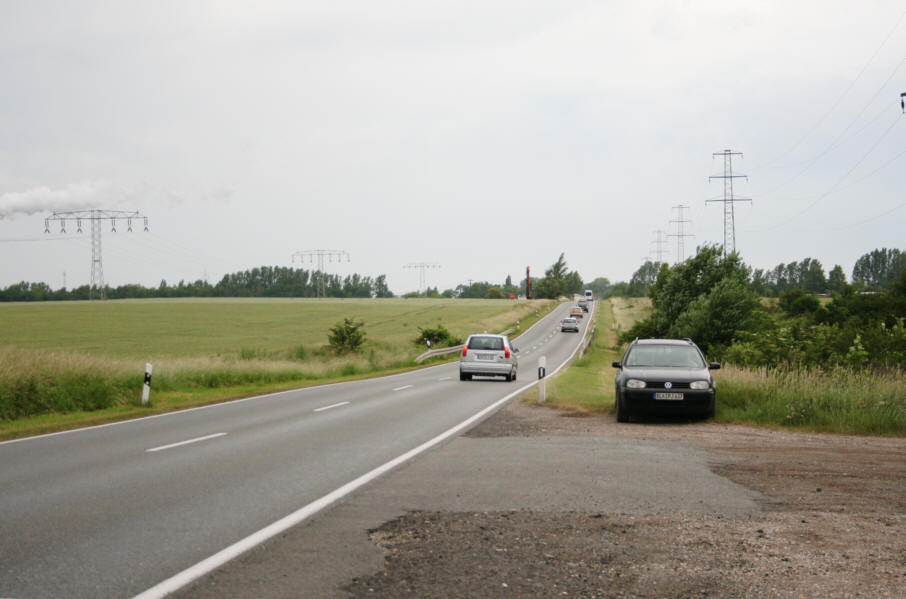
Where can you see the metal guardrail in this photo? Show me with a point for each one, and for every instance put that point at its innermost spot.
(447, 350)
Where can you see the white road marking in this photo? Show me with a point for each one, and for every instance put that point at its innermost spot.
(334, 405)
(196, 440)
(403, 387)
(205, 566)
(445, 378)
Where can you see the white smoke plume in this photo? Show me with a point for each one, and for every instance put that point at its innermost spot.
(74, 196)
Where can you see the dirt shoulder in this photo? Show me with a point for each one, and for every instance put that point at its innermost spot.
(832, 524)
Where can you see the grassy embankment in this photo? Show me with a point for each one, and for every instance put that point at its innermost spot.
(67, 364)
(842, 401)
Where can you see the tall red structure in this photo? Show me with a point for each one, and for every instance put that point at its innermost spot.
(528, 284)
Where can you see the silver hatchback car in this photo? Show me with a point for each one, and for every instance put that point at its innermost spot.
(490, 355)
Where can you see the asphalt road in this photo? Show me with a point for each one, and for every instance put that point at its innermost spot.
(113, 511)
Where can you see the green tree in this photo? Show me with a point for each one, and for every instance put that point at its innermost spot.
(836, 279)
(494, 293)
(558, 281)
(346, 336)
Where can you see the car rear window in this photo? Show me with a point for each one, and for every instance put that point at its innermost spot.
(486, 343)
(665, 356)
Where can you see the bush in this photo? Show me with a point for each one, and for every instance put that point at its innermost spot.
(346, 336)
(494, 293)
(439, 336)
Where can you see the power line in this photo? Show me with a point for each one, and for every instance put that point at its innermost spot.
(729, 199)
(843, 95)
(95, 218)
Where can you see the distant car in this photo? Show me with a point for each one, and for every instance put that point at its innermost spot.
(569, 324)
(664, 376)
(583, 303)
(576, 312)
(488, 355)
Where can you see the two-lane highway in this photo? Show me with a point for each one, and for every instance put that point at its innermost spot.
(116, 510)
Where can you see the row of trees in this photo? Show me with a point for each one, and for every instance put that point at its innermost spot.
(710, 299)
(264, 281)
(873, 271)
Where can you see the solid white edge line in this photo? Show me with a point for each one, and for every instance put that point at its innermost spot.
(404, 387)
(331, 406)
(195, 440)
(223, 556)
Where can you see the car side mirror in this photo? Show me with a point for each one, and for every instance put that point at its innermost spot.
(515, 350)
(617, 365)
(714, 366)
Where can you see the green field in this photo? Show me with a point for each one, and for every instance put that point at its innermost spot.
(65, 364)
(154, 329)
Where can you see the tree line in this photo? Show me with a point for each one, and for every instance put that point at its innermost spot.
(263, 281)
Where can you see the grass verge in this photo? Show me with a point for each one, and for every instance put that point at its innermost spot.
(841, 401)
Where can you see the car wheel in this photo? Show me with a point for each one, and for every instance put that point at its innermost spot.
(622, 415)
(513, 377)
(465, 377)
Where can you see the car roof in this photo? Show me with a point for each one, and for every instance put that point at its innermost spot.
(487, 335)
(663, 342)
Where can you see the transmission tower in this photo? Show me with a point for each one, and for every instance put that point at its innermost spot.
(422, 267)
(659, 243)
(320, 255)
(729, 199)
(680, 235)
(95, 217)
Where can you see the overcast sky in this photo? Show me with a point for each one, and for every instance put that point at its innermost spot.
(480, 136)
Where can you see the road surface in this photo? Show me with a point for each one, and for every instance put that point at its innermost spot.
(115, 510)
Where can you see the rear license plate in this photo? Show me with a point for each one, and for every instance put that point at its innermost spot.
(485, 356)
(669, 396)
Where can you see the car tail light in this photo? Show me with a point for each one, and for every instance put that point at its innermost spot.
(465, 349)
(506, 352)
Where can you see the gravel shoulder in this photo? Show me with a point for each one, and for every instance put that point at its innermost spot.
(532, 503)
(832, 523)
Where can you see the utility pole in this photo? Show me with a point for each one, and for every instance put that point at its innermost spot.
(659, 243)
(422, 267)
(95, 217)
(729, 199)
(321, 289)
(680, 235)
(903, 101)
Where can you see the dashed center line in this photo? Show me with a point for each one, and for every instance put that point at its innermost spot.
(196, 440)
(403, 387)
(445, 378)
(331, 406)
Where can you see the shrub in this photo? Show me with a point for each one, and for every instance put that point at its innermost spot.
(439, 336)
(346, 336)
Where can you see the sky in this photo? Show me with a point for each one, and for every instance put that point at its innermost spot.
(479, 137)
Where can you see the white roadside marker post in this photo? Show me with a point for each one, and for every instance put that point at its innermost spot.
(542, 372)
(146, 388)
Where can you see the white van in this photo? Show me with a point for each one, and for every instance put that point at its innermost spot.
(589, 295)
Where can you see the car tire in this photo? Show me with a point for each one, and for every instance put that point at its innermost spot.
(465, 377)
(622, 414)
(512, 377)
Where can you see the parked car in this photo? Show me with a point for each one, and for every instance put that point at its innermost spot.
(576, 312)
(664, 376)
(488, 355)
(569, 324)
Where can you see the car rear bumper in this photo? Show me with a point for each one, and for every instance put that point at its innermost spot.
(488, 368)
(576, 329)
(642, 401)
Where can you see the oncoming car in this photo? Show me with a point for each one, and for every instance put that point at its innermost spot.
(488, 355)
(664, 376)
(569, 324)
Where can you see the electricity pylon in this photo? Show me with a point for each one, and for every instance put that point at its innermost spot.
(659, 243)
(680, 235)
(729, 199)
(95, 217)
(320, 255)
(421, 266)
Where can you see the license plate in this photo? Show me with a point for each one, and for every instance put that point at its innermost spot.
(486, 356)
(671, 396)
